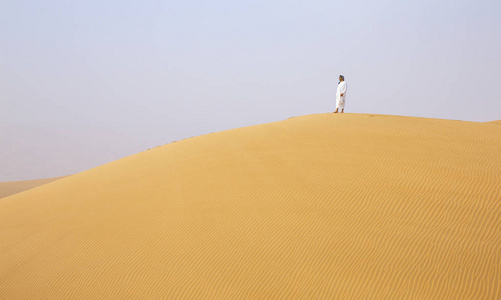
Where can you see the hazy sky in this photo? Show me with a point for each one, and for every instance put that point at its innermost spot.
(83, 83)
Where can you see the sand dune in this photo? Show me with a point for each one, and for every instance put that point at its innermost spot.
(347, 206)
(13, 187)
(498, 122)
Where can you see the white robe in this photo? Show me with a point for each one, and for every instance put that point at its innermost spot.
(341, 89)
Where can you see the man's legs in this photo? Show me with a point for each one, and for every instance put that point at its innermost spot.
(336, 110)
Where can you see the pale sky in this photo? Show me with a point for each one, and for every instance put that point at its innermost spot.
(83, 83)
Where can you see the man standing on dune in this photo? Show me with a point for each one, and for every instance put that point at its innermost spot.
(340, 94)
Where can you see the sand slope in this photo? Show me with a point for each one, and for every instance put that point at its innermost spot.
(498, 122)
(13, 187)
(326, 206)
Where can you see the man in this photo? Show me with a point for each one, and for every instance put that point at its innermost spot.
(340, 94)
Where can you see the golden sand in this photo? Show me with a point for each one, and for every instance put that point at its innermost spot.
(328, 206)
(13, 187)
(498, 122)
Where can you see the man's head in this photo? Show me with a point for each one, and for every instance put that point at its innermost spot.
(341, 78)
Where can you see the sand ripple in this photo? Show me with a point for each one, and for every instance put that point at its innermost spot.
(325, 206)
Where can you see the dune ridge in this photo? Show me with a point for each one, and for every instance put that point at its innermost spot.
(498, 122)
(349, 206)
(8, 188)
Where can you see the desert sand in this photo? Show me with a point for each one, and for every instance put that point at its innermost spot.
(13, 187)
(498, 122)
(326, 206)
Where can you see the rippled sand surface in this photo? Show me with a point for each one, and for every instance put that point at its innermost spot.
(327, 206)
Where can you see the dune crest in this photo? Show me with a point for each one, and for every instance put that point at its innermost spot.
(498, 122)
(348, 206)
(13, 187)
